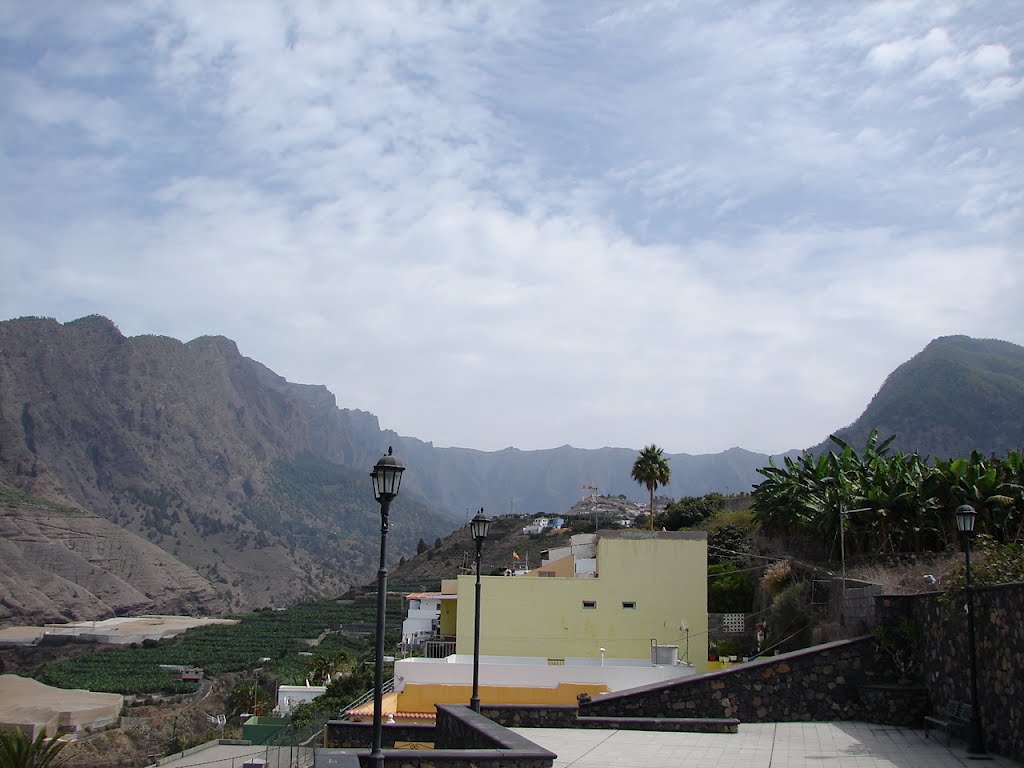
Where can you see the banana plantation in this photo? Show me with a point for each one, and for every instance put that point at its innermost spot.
(889, 503)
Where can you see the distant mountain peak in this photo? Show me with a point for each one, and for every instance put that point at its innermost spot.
(957, 395)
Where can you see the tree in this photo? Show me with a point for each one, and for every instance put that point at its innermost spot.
(248, 697)
(323, 667)
(651, 470)
(18, 751)
(690, 511)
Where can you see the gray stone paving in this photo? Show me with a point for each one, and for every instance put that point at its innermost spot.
(758, 745)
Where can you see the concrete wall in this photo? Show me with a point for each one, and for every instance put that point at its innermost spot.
(517, 672)
(663, 574)
(449, 618)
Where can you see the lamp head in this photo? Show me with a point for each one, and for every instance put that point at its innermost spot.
(387, 477)
(479, 525)
(965, 516)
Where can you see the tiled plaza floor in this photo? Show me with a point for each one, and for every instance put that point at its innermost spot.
(758, 745)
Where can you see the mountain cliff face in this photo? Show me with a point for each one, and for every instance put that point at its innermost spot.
(149, 474)
(957, 395)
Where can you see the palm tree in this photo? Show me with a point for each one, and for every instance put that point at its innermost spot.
(324, 666)
(651, 470)
(18, 751)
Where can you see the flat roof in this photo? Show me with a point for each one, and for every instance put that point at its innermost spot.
(435, 595)
(636, 533)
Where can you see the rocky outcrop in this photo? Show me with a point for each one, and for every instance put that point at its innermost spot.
(148, 473)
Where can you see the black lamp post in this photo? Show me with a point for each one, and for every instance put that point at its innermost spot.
(965, 516)
(387, 477)
(478, 526)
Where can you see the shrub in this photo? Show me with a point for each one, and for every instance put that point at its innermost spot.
(901, 643)
(998, 564)
(731, 647)
(791, 624)
(776, 576)
(729, 590)
(729, 544)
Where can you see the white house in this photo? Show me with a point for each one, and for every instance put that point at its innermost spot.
(422, 619)
(539, 525)
(290, 696)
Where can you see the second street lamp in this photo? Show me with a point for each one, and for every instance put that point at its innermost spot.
(965, 516)
(387, 477)
(478, 526)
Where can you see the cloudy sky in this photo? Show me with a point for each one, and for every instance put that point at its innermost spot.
(702, 225)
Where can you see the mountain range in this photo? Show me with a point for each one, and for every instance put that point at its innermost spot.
(147, 474)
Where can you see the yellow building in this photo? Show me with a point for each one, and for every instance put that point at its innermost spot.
(647, 588)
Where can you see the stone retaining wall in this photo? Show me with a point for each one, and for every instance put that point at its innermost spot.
(820, 683)
(999, 633)
(348, 734)
(461, 738)
(529, 716)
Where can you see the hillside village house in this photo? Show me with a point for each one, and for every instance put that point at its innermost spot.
(637, 587)
(614, 610)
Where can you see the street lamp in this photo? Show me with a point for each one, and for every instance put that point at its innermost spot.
(478, 526)
(387, 477)
(965, 516)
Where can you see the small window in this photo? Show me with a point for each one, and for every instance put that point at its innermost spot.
(590, 603)
(629, 605)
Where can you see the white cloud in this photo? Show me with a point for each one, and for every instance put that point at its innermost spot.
(566, 223)
(991, 59)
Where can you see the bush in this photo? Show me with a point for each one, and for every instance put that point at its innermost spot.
(791, 624)
(729, 544)
(731, 647)
(729, 590)
(901, 643)
(776, 576)
(998, 564)
(688, 512)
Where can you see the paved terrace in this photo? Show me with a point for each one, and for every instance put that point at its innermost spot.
(758, 745)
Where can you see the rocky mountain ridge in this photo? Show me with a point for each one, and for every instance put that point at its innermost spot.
(184, 473)
(236, 488)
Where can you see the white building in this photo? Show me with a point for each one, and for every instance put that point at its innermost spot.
(538, 526)
(422, 618)
(290, 696)
(515, 673)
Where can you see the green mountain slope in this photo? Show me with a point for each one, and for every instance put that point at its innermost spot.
(957, 395)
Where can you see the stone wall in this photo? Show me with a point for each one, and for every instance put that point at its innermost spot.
(820, 683)
(945, 664)
(461, 739)
(527, 716)
(352, 735)
(853, 680)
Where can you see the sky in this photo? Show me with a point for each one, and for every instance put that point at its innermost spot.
(527, 224)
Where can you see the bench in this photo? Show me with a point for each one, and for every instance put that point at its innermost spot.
(956, 718)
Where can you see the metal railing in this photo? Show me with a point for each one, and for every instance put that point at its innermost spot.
(388, 687)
